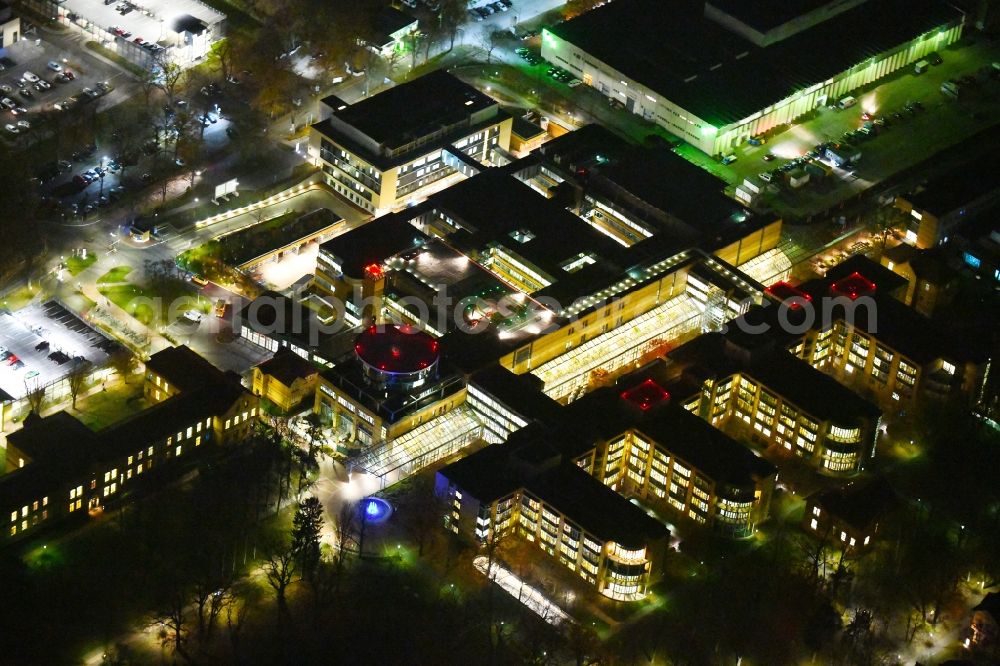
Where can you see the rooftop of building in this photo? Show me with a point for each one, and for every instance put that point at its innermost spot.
(183, 368)
(349, 376)
(525, 129)
(286, 366)
(285, 318)
(59, 436)
(396, 348)
(764, 15)
(641, 177)
(493, 207)
(374, 242)
(484, 474)
(522, 394)
(608, 411)
(403, 113)
(859, 504)
(596, 508)
(958, 187)
(885, 280)
(723, 78)
(389, 21)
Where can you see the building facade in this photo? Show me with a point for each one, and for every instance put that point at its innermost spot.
(395, 147)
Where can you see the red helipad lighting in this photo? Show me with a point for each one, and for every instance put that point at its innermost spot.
(853, 286)
(646, 395)
(396, 349)
(784, 292)
(374, 271)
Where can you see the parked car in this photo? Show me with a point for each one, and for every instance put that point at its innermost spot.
(54, 66)
(25, 93)
(30, 77)
(12, 128)
(42, 85)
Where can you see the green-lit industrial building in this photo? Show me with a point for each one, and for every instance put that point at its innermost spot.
(717, 73)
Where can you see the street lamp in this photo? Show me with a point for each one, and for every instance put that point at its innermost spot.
(101, 176)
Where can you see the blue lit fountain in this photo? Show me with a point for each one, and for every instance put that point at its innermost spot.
(376, 510)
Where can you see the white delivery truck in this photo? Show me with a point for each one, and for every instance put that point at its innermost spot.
(847, 102)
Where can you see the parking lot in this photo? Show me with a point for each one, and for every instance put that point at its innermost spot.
(43, 88)
(40, 343)
(908, 136)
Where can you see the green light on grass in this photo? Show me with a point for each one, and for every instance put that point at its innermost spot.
(708, 130)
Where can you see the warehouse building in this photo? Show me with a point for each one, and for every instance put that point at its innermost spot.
(718, 73)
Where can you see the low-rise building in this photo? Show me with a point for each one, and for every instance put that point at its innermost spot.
(286, 380)
(10, 26)
(61, 467)
(849, 518)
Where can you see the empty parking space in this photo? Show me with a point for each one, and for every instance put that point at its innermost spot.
(40, 343)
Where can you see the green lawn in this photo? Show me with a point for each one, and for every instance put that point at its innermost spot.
(18, 298)
(116, 274)
(77, 264)
(132, 299)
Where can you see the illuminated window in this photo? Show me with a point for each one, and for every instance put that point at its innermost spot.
(228, 423)
(177, 451)
(948, 367)
(843, 536)
(814, 524)
(867, 539)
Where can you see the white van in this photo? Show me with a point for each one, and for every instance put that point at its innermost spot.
(920, 66)
(846, 102)
(29, 77)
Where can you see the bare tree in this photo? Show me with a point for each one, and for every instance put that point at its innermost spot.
(489, 40)
(35, 395)
(452, 15)
(171, 618)
(77, 378)
(280, 569)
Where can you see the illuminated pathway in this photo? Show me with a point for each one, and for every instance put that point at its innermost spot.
(393, 461)
(532, 598)
(568, 374)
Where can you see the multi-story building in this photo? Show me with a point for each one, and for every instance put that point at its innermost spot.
(59, 467)
(931, 283)
(286, 380)
(851, 327)
(717, 73)
(747, 386)
(392, 149)
(527, 489)
(949, 200)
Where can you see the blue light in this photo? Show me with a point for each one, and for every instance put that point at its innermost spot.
(372, 509)
(971, 260)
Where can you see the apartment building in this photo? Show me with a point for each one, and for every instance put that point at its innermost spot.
(391, 149)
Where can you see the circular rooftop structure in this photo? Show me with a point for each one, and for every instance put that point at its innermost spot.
(397, 355)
